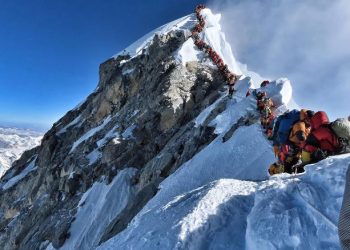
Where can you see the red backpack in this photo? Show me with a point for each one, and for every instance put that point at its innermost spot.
(319, 119)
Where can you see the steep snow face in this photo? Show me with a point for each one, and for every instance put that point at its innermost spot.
(303, 209)
(285, 212)
(13, 142)
(97, 208)
(216, 38)
(223, 198)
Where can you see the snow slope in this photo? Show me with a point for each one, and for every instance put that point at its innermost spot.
(285, 212)
(97, 208)
(223, 197)
(13, 142)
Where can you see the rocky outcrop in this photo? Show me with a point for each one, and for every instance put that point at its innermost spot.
(141, 116)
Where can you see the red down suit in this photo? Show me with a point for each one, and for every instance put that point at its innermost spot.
(321, 135)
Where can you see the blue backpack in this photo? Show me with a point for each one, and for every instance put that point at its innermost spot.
(285, 124)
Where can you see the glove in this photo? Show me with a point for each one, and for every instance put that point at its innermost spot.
(343, 144)
(299, 168)
(319, 155)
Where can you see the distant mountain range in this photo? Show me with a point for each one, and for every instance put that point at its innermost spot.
(13, 142)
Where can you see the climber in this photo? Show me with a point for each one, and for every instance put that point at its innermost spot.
(209, 50)
(288, 157)
(226, 70)
(297, 137)
(322, 141)
(200, 7)
(264, 83)
(299, 133)
(267, 103)
(199, 43)
(341, 127)
(195, 35)
(198, 28)
(289, 119)
(266, 116)
(283, 126)
(231, 82)
(260, 100)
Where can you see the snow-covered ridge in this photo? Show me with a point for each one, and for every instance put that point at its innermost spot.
(184, 23)
(213, 35)
(13, 142)
(285, 212)
(223, 198)
(218, 195)
(94, 213)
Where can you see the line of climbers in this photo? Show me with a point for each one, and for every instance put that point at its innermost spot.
(230, 77)
(301, 137)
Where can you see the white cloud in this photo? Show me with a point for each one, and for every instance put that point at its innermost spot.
(304, 40)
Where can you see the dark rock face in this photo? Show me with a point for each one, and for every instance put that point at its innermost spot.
(141, 116)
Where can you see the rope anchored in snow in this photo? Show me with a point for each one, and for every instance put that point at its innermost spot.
(230, 77)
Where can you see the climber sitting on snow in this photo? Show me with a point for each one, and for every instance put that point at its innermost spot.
(264, 83)
(312, 139)
(327, 138)
(290, 131)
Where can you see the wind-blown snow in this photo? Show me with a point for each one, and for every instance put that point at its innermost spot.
(97, 208)
(213, 36)
(13, 142)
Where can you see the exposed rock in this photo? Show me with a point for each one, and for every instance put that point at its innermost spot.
(141, 116)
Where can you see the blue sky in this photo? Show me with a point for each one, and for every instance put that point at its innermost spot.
(50, 50)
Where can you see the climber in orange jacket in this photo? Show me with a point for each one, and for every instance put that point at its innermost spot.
(299, 133)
